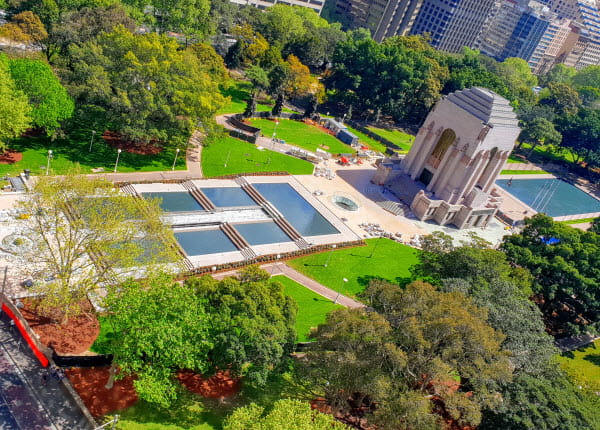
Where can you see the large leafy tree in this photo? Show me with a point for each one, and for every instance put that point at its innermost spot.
(539, 131)
(563, 98)
(244, 324)
(252, 322)
(565, 264)
(402, 76)
(425, 343)
(83, 234)
(50, 102)
(158, 327)
(14, 106)
(581, 134)
(148, 89)
(285, 414)
(547, 402)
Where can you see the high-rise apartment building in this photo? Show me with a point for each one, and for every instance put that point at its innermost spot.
(500, 28)
(385, 18)
(453, 24)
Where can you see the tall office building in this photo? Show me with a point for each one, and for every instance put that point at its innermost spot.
(385, 18)
(453, 24)
(528, 32)
(500, 27)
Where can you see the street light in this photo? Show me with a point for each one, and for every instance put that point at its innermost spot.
(338, 294)
(48, 164)
(275, 130)
(117, 162)
(329, 256)
(227, 159)
(175, 160)
(92, 140)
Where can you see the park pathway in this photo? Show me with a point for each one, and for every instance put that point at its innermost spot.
(283, 269)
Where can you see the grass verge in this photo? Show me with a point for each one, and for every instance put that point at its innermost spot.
(403, 140)
(523, 172)
(67, 153)
(583, 365)
(229, 156)
(300, 134)
(380, 259)
(312, 308)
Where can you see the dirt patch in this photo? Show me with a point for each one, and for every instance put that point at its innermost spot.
(89, 383)
(10, 157)
(115, 140)
(74, 337)
(219, 385)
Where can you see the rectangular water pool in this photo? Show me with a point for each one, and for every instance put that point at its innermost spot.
(262, 233)
(554, 197)
(301, 214)
(202, 242)
(176, 201)
(223, 197)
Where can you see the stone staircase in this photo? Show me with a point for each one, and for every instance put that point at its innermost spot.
(395, 208)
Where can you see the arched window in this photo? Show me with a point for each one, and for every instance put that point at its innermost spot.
(444, 142)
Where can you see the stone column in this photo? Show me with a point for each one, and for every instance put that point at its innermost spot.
(440, 171)
(422, 136)
(501, 161)
(424, 152)
(471, 174)
(448, 172)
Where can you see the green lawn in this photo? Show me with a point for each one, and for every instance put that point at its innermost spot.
(302, 135)
(390, 261)
(244, 157)
(368, 141)
(578, 221)
(66, 153)
(403, 140)
(238, 93)
(189, 412)
(583, 365)
(515, 160)
(312, 308)
(523, 172)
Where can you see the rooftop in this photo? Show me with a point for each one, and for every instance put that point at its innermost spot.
(491, 108)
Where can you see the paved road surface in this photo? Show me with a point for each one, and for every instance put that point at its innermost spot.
(25, 402)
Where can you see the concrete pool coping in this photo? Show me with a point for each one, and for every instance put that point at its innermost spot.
(517, 210)
(236, 215)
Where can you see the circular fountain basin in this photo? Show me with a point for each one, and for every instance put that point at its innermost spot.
(345, 203)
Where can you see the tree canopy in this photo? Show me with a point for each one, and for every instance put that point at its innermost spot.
(14, 106)
(148, 89)
(50, 102)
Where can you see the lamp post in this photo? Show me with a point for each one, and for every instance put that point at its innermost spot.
(92, 139)
(117, 162)
(175, 160)
(48, 164)
(275, 131)
(329, 256)
(227, 159)
(338, 294)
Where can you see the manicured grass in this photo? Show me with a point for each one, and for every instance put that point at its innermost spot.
(66, 153)
(523, 172)
(368, 141)
(583, 365)
(312, 308)
(244, 157)
(578, 221)
(238, 93)
(189, 412)
(303, 135)
(515, 160)
(403, 140)
(390, 261)
(100, 346)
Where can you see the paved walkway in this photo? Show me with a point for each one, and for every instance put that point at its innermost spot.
(575, 342)
(25, 402)
(311, 284)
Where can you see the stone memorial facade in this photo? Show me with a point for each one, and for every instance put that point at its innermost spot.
(449, 174)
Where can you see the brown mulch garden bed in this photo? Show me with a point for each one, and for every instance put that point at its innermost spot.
(89, 383)
(219, 385)
(10, 157)
(74, 337)
(115, 140)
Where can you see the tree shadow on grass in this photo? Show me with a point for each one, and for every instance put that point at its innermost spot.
(593, 358)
